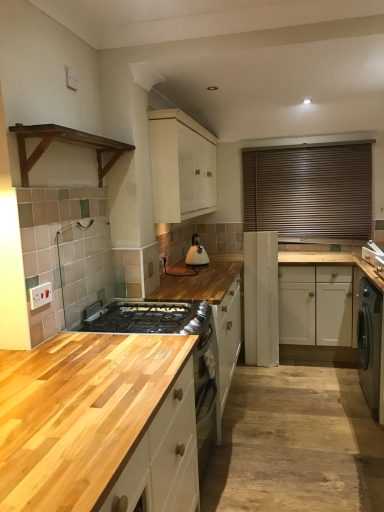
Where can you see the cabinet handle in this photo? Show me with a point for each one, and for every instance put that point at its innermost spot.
(229, 325)
(224, 309)
(311, 294)
(119, 504)
(368, 258)
(279, 274)
(232, 293)
(197, 172)
(178, 394)
(238, 281)
(209, 174)
(379, 269)
(180, 450)
(334, 275)
(349, 294)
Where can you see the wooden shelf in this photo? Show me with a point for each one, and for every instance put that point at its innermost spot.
(50, 132)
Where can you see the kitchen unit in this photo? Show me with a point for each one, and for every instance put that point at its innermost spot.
(315, 305)
(113, 423)
(183, 155)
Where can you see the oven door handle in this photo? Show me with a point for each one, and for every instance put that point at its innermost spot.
(206, 416)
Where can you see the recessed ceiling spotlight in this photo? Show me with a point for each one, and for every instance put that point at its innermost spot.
(212, 88)
(307, 101)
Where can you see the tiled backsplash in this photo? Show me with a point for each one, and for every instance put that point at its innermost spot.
(175, 243)
(85, 255)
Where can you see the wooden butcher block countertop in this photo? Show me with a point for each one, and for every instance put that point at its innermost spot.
(74, 409)
(211, 283)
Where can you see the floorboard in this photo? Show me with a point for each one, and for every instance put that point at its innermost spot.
(296, 439)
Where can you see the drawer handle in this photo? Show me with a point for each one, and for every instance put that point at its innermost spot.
(180, 450)
(333, 275)
(209, 174)
(232, 293)
(349, 294)
(119, 504)
(239, 281)
(224, 309)
(229, 325)
(311, 294)
(379, 269)
(197, 172)
(178, 394)
(368, 258)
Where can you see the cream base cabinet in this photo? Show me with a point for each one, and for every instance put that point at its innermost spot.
(334, 306)
(227, 317)
(297, 313)
(183, 160)
(162, 473)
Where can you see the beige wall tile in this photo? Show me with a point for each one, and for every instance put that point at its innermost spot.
(30, 264)
(134, 290)
(38, 195)
(42, 237)
(28, 241)
(24, 195)
(49, 326)
(75, 209)
(131, 257)
(37, 334)
(53, 212)
(133, 274)
(65, 209)
(44, 260)
(51, 194)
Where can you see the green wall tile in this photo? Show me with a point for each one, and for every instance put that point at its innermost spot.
(120, 290)
(335, 247)
(84, 207)
(25, 215)
(150, 269)
(63, 193)
(379, 224)
(31, 282)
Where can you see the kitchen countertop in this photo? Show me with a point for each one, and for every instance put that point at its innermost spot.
(211, 283)
(74, 409)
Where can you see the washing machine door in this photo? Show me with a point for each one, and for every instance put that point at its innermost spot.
(364, 337)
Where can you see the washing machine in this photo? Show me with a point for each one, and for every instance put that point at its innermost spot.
(369, 324)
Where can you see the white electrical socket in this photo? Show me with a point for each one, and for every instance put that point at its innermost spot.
(72, 79)
(40, 295)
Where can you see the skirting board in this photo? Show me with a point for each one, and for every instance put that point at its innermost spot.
(318, 354)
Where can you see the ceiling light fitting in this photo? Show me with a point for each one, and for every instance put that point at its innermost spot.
(307, 101)
(212, 88)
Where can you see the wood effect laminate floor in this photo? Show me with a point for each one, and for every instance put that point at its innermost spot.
(296, 439)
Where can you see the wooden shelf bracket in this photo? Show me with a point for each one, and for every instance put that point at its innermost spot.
(50, 132)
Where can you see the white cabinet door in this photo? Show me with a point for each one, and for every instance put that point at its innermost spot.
(206, 165)
(225, 364)
(297, 313)
(187, 169)
(235, 332)
(334, 314)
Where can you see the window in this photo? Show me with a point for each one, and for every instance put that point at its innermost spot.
(313, 192)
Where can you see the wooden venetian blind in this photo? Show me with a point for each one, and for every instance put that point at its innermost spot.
(319, 191)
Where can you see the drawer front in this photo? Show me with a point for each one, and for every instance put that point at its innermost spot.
(170, 407)
(185, 495)
(297, 274)
(225, 304)
(167, 463)
(133, 479)
(333, 274)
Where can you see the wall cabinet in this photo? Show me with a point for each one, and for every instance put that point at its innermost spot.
(183, 158)
(315, 305)
(227, 317)
(163, 470)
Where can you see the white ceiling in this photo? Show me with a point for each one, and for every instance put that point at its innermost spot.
(265, 56)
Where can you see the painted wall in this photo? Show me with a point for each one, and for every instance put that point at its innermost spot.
(34, 53)
(13, 309)
(230, 172)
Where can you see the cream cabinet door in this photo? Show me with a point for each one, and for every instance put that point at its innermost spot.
(297, 313)
(187, 168)
(334, 314)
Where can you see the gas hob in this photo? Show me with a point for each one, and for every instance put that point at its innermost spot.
(145, 317)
